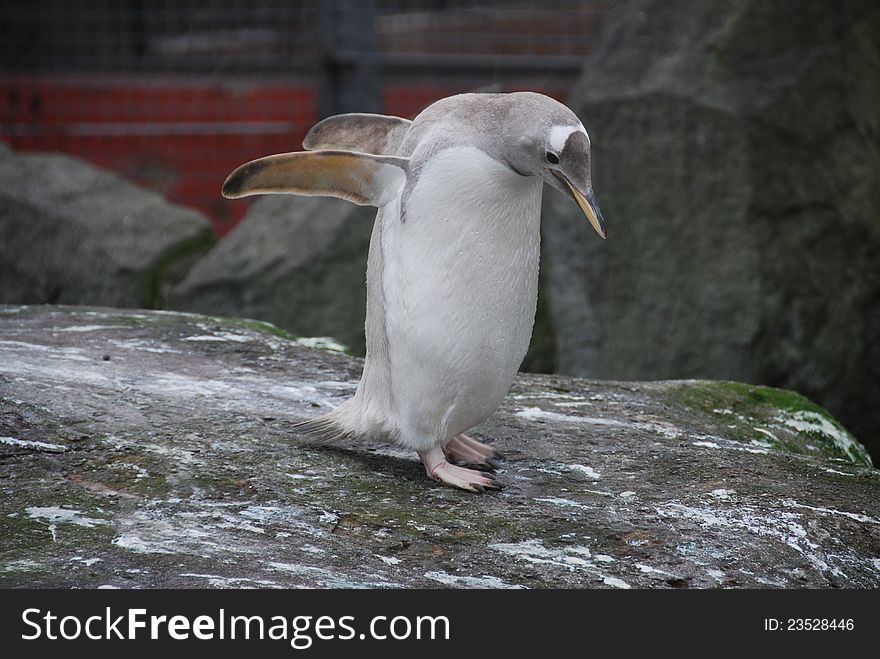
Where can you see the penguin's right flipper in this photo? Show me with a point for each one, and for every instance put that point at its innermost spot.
(361, 178)
(378, 134)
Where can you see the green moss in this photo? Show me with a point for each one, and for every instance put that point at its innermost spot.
(28, 545)
(266, 327)
(261, 326)
(180, 256)
(178, 320)
(778, 418)
(367, 503)
(748, 399)
(23, 536)
(14, 311)
(25, 572)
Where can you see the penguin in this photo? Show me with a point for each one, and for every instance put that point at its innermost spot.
(452, 271)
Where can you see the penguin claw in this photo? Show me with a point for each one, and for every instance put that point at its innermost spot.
(483, 467)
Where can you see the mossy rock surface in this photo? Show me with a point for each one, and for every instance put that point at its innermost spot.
(155, 449)
(771, 418)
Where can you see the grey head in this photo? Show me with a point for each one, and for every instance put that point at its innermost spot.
(533, 134)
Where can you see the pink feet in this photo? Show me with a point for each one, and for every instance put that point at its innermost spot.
(465, 450)
(439, 469)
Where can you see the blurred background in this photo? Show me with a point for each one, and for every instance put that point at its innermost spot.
(736, 157)
(175, 95)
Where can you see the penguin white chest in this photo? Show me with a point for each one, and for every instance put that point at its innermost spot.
(460, 284)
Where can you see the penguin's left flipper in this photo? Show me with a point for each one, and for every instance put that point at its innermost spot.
(361, 178)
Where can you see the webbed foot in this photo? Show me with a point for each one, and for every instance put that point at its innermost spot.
(439, 469)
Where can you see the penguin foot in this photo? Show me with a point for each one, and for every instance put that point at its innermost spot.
(466, 450)
(439, 469)
(463, 478)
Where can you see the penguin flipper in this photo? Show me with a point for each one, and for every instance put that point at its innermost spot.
(362, 178)
(378, 134)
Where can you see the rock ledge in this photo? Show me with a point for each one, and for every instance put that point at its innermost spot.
(152, 449)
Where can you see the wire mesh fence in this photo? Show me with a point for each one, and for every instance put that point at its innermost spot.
(176, 94)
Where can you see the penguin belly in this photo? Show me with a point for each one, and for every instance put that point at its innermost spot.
(460, 285)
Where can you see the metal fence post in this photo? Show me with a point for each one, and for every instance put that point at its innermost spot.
(349, 67)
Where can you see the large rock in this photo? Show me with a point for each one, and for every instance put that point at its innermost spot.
(76, 234)
(298, 262)
(736, 159)
(145, 449)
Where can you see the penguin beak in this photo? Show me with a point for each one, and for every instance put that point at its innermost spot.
(589, 206)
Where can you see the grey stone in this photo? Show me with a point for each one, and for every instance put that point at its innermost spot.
(156, 449)
(298, 262)
(736, 160)
(76, 234)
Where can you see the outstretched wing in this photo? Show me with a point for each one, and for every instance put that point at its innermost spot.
(361, 178)
(366, 133)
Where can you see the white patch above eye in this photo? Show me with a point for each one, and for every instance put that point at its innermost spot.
(559, 135)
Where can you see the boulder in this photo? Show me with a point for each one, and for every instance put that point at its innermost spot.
(156, 449)
(73, 233)
(736, 155)
(298, 262)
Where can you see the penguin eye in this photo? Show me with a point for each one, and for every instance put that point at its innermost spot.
(552, 158)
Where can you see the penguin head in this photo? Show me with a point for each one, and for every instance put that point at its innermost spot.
(556, 147)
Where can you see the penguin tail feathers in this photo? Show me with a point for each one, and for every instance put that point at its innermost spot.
(345, 427)
(325, 431)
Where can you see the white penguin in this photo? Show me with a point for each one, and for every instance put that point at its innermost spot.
(452, 273)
